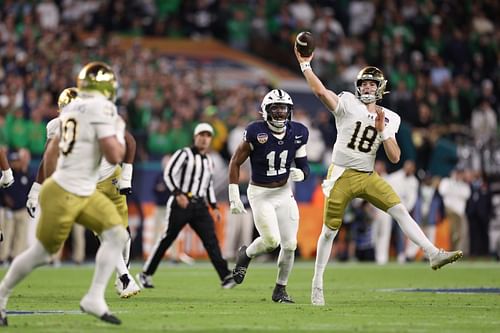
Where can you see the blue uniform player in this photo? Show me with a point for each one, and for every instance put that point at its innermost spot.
(273, 145)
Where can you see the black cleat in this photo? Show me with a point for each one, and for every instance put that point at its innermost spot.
(242, 262)
(145, 281)
(280, 295)
(228, 282)
(107, 317)
(110, 318)
(3, 318)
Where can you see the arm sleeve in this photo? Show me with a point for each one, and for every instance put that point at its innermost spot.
(172, 169)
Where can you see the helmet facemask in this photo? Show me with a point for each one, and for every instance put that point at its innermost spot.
(375, 75)
(277, 116)
(277, 109)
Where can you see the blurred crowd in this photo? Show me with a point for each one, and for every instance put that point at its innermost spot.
(442, 61)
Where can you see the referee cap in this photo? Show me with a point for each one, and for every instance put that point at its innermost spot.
(203, 127)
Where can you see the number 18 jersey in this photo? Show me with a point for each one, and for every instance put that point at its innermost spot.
(357, 138)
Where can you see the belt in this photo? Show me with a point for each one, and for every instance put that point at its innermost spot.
(194, 198)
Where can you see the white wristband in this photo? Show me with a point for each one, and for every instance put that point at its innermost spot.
(127, 170)
(304, 66)
(234, 192)
(385, 134)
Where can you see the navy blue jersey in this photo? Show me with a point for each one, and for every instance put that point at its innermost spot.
(271, 157)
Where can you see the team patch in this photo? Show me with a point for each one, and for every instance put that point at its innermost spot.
(262, 138)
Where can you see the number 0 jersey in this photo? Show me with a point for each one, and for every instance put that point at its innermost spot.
(357, 138)
(271, 157)
(82, 123)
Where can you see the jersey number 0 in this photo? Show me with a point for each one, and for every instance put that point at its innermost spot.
(68, 136)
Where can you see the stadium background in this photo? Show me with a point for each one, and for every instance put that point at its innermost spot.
(181, 62)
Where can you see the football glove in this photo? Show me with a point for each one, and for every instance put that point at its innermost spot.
(7, 178)
(125, 182)
(296, 175)
(32, 201)
(236, 206)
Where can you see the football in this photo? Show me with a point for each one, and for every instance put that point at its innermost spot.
(305, 43)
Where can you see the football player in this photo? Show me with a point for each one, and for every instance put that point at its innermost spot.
(90, 128)
(272, 144)
(114, 182)
(362, 127)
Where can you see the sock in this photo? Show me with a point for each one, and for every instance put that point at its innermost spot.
(411, 229)
(285, 264)
(323, 250)
(108, 254)
(126, 250)
(23, 264)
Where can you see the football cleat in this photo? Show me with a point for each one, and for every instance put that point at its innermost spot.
(126, 286)
(98, 309)
(443, 257)
(145, 281)
(228, 282)
(242, 262)
(280, 295)
(317, 296)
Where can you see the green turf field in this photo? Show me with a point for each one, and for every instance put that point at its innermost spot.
(189, 299)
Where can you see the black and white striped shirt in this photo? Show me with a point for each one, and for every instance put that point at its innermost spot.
(191, 173)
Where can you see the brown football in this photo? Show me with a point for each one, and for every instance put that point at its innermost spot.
(305, 43)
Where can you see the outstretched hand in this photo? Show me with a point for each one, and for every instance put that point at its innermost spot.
(300, 58)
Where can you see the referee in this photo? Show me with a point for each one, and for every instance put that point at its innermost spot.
(189, 177)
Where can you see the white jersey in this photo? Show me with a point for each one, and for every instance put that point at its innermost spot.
(106, 169)
(82, 123)
(357, 138)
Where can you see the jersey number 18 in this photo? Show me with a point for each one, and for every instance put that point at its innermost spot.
(367, 138)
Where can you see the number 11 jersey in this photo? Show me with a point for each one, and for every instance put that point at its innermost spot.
(357, 138)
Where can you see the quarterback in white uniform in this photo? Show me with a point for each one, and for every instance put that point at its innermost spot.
(90, 128)
(362, 126)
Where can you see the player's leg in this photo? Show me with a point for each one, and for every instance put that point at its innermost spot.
(333, 212)
(58, 212)
(288, 223)
(382, 226)
(381, 194)
(266, 222)
(125, 284)
(101, 216)
(263, 206)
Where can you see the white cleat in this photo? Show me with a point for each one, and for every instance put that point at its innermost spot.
(443, 257)
(317, 296)
(131, 290)
(126, 286)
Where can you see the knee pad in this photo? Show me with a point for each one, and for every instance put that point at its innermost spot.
(270, 243)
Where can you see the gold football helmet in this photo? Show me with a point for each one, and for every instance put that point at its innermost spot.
(371, 73)
(99, 77)
(67, 96)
